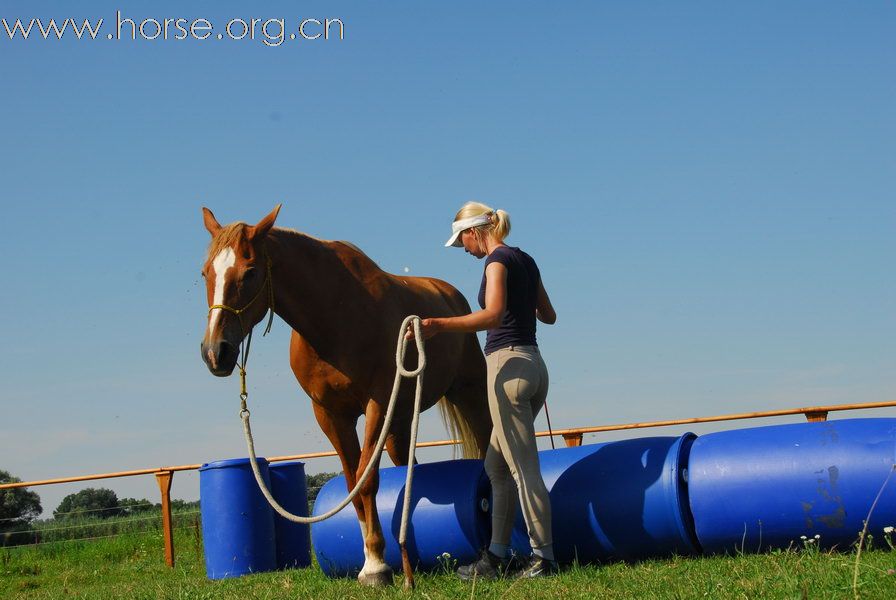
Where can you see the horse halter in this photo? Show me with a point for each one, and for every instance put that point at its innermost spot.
(247, 339)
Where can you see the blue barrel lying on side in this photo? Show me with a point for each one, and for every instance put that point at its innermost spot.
(237, 522)
(293, 539)
(616, 500)
(448, 514)
(765, 487)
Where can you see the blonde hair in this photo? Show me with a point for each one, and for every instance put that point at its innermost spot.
(498, 228)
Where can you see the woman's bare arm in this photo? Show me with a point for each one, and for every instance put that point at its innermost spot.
(487, 318)
(544, 310)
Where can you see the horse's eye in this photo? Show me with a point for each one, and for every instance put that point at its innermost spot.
(202, 273)
(249, 273)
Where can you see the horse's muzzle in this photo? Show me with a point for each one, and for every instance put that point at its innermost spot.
(220, 357)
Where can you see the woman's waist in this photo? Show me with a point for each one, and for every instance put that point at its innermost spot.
(525, 348)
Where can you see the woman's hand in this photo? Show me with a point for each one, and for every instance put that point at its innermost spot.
(428, 328)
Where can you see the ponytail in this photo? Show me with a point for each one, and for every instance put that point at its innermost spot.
(500, 220)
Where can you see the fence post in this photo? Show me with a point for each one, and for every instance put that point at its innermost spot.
(573, 439)
(163, 478)
(816, 415)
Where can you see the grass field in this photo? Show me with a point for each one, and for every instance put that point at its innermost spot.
(131, 566)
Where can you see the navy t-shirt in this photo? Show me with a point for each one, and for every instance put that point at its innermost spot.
(517, 328)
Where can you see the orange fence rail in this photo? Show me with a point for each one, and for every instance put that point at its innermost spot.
(572, 437)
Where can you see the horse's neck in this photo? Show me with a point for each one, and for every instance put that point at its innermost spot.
(314, 290)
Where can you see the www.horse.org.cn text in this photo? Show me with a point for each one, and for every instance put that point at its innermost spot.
(271, 32)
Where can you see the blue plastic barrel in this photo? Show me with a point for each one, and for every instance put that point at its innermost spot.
(293, 539)
(448, 507)
(616, 500)
(764, 487)
(237, 523)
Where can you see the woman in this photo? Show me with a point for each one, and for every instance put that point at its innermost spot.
(511, 297)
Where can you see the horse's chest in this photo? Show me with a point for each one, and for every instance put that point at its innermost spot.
(321, 376)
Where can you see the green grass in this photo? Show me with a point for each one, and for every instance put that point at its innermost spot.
(131, 566)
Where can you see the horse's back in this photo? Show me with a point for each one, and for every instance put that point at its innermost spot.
(427, 292)
(389, 298)
(440, 296)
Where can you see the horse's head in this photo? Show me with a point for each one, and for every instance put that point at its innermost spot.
(237, 281)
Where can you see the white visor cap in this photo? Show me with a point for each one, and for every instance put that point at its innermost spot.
(463, 224)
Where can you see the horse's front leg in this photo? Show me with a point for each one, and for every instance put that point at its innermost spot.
(340, 430)
(375, 572)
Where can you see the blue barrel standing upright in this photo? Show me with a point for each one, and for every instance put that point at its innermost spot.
(765, 487)
(237, 522)
(293, 539)
(448, 514)
(616, 500)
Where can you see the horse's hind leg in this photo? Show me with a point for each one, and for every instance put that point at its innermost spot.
(375, 572)
(398, 443)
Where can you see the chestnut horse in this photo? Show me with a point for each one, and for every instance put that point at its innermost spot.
(345, 313)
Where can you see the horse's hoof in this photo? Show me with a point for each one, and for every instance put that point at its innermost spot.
(378, 579)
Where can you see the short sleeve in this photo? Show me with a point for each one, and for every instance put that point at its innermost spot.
(501, 255)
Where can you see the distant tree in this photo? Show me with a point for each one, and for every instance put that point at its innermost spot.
(95, 502)
(182, 504)
(132, 506)
(18, 503)
(313, 483)
(18, 507)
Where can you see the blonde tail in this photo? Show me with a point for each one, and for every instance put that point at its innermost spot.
(458, 428)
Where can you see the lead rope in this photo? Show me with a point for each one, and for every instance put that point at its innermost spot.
(550, 429)
(400, 372)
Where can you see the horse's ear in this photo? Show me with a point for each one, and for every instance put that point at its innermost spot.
(262, 227)
(211, 223)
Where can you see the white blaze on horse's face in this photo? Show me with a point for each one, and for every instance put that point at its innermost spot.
(220, 347)
(222, 264)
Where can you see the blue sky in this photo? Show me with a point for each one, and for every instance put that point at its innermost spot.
(707, 187)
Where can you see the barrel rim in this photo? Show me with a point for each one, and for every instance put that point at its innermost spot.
(231, 462)
(281, 465)
(684, 519)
